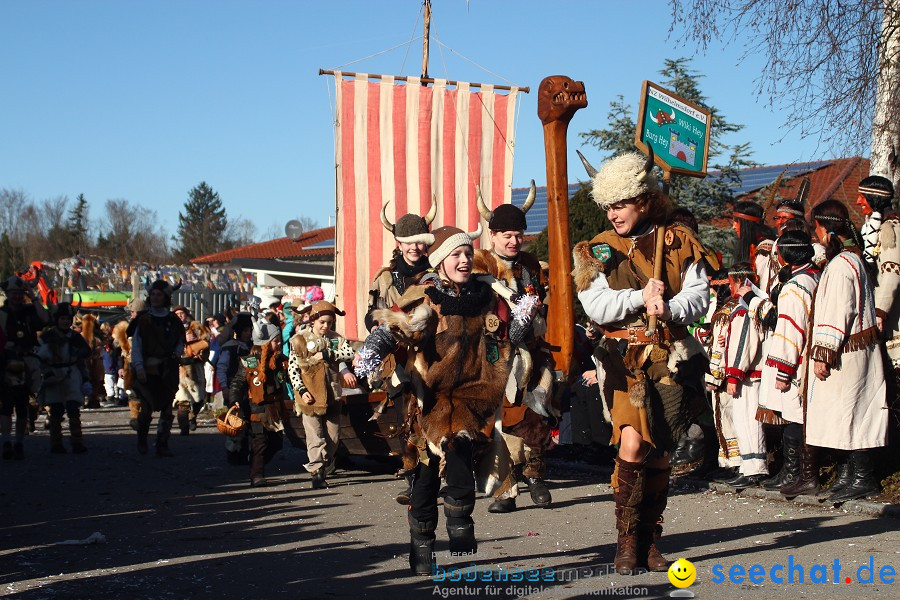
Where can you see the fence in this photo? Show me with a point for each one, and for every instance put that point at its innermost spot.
(205, 303)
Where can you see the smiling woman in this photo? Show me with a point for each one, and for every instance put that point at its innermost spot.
(650, 409)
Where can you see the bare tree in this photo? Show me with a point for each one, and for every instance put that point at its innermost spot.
(826, 62)
(130, 233)
(240, 232)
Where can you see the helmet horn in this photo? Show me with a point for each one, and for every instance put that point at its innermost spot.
(384, 220)
(591, 171)
(432, 212)
(530, 199)
(649, 166)
(486, 214)
(474, 235)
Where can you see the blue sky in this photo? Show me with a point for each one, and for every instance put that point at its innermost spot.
(143, 100)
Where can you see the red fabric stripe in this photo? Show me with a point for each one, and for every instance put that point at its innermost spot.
(373, 158)
(348, 211)
(424, 141)
(792, 322)
(498, 167)
(448, 164)
(399, 128)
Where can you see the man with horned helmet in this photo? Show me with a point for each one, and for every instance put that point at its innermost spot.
(20, 323)
(157, 344)
(653, 378)
(527, 408)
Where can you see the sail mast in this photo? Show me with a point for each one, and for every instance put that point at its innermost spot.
(425, 39)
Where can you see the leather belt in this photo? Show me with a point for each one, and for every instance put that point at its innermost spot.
(638, 335)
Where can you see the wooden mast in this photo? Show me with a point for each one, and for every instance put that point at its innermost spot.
(426, 35)
(558, 99)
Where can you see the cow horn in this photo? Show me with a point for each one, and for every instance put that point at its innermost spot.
(384, 220)
(432, 212)
(80, 302)
(486, 214)
(532, 192)
(591, 171)
(649, 166)
(474, 235)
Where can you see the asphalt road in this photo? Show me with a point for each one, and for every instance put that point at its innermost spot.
(191, 526)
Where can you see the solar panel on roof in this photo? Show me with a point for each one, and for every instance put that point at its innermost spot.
(324, 244)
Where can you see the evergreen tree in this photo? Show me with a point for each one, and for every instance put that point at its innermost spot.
(707, 197)
(77, 226)
(202, 226)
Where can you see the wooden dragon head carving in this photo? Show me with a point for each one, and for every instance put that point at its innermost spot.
(559, 97)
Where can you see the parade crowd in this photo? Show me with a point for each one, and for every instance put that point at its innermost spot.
(756, 373)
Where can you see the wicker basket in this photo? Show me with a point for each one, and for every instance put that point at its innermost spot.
(231, 424)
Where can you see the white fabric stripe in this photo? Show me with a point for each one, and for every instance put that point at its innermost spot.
(339, 194)
(437, 148)
(461, 126)
(413, 87)
(386, 133)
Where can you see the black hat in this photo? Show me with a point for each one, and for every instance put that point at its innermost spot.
(410, 228)
(506, 217)
(64, 309)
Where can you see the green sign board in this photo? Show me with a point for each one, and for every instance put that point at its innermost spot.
(677, 130)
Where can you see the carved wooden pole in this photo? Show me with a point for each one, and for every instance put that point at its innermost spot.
(558, 99)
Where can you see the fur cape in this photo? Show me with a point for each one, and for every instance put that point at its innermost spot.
(457, 371)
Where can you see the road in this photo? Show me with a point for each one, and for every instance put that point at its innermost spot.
(191, 526)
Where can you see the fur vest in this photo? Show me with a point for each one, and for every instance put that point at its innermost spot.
(457, 365)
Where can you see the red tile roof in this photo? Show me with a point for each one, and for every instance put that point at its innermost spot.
(283, 248)
(838, 180)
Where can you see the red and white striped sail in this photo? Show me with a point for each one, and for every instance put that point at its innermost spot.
(408, 143)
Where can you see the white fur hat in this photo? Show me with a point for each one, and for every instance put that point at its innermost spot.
(623, 178)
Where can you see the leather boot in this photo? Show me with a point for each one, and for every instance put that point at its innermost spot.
(56, 436)
(533, 474)
(318, 479)
(502, 505)
(653, 504)
(163, 430)
(808, 482)
(841, 479)
(460, 526)
(862, 478)
(790, 470)
(628, 486)
(257, 460)
(540, 493)
(404, 496)
(78, 446)
(777, 480)
(184, 418)
(421, 546)
(134, 407)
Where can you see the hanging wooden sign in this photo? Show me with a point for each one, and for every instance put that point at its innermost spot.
(676, 129)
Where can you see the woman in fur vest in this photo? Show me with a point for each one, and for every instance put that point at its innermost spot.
(653, 382)
(458, 357)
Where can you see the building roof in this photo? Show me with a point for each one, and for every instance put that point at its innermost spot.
(837, 179)
(314, 243)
